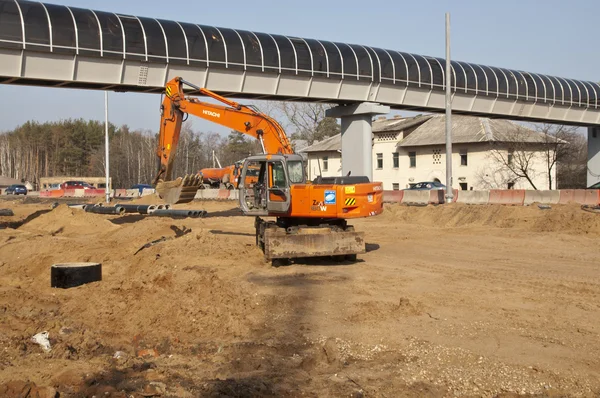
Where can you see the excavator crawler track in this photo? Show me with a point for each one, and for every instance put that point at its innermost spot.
(308, 241)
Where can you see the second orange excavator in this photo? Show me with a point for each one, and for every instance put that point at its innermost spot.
(310, 217)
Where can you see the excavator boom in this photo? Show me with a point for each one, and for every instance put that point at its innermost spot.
(242, 118)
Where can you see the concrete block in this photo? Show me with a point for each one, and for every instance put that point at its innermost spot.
(544, 197)
(581, 196)
(507, 197)
(393, 196)
(473, 197)
(420, 197)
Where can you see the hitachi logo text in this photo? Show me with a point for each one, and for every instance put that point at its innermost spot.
(211, 113)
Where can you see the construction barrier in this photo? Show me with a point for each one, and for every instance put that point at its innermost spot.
(55, 193)
(417, 197)
(514, 197)
(133, 193)
(392, 196)
(148, 191)
(223, 194)
(544, 197)
(580, 196)
(438, 196)
(473, 197)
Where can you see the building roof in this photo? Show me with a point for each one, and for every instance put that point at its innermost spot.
(385, 125)
(7, 181)
(469, 129)
(431, 130)
(333, 143)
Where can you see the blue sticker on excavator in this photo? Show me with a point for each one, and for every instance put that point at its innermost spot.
(329, 197)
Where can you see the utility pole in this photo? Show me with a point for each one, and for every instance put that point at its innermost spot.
(107, 189)
(449, 191)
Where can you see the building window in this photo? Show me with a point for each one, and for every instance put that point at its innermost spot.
(463, 158)
(412, 157)
(437, 156)
(463, 186)
(510, 156)
(511, 185)
(396, 187)
(396, 160)
(379, 161)
(325, 163)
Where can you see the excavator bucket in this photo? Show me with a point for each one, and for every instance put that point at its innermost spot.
(181, 190)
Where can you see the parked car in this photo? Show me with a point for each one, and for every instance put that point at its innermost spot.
(141, 187)
(16, 189)
(426, 186)
(75, 185)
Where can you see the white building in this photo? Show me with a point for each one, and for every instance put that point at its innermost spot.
(411, 150)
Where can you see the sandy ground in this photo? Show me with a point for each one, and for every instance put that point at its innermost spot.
(449, 301)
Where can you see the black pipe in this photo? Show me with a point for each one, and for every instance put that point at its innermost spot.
(141, 209)
(105, 210)
(174, 213)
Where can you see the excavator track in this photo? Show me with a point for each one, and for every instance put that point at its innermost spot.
(181, 190)
(277, 242)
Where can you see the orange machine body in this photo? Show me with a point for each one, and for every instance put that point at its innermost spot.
(336, 201)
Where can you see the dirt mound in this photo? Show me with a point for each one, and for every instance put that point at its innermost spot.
(66, 220)
(559, 218)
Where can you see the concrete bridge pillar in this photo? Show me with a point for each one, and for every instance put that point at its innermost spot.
(357, 141)
(593, 169)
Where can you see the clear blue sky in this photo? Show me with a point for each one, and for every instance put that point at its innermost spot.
(550, 37)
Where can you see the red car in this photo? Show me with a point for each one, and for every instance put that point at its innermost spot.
(75, 185)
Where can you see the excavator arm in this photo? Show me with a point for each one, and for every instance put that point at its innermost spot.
(174, 110)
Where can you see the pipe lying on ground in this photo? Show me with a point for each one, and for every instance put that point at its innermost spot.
(141, 209)
(178, 213)
(105, 210)
(78, 206)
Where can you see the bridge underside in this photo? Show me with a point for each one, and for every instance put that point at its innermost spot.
(81, 72)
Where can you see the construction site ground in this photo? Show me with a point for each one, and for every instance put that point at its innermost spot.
(449, 300)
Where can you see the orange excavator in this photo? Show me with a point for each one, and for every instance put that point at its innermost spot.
(310, 217)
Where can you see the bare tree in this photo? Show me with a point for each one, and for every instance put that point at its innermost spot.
(519, 154)
(558, 147)
(307, 120)
(528, 154)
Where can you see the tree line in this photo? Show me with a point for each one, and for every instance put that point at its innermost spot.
(76, 147)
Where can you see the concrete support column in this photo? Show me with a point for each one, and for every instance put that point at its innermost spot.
(357, 141)
(593, 166)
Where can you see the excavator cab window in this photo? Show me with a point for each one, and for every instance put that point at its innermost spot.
(295, 171)
(277, 175)
(278, 198)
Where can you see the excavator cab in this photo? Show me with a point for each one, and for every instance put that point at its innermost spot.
(270, 194)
